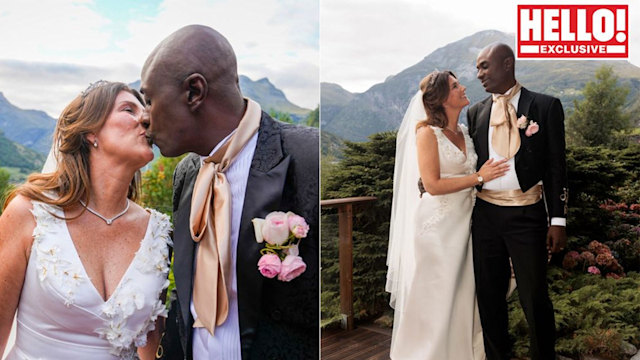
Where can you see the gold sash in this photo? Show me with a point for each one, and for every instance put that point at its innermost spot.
(512, 197)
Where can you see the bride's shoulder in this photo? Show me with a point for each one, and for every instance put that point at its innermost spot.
(145, 213)
(160, 221)
(19, 207)
(19, 211)
(428, 129)
(428, 136)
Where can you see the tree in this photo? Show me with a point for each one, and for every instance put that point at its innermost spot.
(157, 184)
(598, 117)
(313, 119)
(5, 187)
(366, 170)
(281, 115)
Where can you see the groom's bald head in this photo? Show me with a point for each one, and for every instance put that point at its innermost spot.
(195, 49)
(496, 68)
(190, 84)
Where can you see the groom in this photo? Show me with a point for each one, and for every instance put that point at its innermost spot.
(510, 218)
(194, 104)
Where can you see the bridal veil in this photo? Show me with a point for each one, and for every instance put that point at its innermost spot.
(405, 201)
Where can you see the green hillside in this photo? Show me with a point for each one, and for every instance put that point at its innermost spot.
(19, 160)
(30, 128)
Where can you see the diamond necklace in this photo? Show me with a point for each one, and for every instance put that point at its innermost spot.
(456, 133)
(108, 221)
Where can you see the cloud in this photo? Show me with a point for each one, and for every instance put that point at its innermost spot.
(271, 38)
(42, 30)
(365, 41)
(51, 86)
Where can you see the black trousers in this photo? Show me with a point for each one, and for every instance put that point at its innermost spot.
(519, 232)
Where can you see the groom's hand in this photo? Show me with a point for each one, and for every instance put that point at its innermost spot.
(556, 238)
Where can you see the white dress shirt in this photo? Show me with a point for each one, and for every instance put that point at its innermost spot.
(225, 345)
(510, 179)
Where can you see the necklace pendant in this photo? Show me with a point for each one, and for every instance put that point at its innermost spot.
(108, 221)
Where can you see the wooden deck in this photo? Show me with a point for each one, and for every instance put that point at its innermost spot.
(366, 342)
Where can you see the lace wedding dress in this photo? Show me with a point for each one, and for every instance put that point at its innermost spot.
(436, 314)
(61, 315)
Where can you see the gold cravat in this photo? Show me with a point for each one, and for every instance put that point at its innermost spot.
(210, 224)
(506, 137)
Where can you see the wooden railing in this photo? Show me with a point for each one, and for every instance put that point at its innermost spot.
(345, 250)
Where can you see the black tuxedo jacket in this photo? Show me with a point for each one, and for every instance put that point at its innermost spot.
(278, 320)
(541, 156)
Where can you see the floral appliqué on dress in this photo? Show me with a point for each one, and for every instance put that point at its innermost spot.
(151, 261)
(63, 274)
(452, 162)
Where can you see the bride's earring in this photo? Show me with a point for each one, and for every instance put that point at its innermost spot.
(95, 144)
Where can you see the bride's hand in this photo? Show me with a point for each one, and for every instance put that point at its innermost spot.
(493, 169)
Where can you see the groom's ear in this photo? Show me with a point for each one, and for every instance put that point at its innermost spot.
(195, 88)
(508, 64)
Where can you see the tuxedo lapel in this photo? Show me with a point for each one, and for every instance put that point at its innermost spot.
(183, 243)
(526, 98)
(524, 106)
(482, 134)
(263, 194)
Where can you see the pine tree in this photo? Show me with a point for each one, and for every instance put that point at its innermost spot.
(281, 115)
(313, 119)
(366, 170)
(598, 117)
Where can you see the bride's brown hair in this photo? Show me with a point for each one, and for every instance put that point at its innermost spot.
(435, 90)
(70, 182)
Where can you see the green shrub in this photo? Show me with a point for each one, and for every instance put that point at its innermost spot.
(157, 193)
(5, 187)
(367, 170)
(594, 315)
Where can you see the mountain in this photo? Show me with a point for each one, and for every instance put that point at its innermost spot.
(382, 106)
(31, 128)
(333, 98)
(19, 159)
(267, 95)
(271, 98)
(331, 145)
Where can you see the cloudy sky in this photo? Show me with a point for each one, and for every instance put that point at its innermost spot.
(51, 50)
(364, 41)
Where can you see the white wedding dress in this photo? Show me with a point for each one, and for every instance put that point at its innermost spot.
(436, 315)
(61, 315)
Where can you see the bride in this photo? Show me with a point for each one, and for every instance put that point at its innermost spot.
(83, 264)
(430, 275)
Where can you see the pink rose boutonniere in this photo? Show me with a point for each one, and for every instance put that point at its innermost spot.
(281, 232)
(532, 129)
(531, 126)
(522, 122)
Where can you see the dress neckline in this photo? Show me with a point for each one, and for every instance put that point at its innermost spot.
(464, 137)
(76, 255)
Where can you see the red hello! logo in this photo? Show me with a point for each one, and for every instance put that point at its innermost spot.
(573, 31)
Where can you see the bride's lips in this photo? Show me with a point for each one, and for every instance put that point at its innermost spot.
(147, 138)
